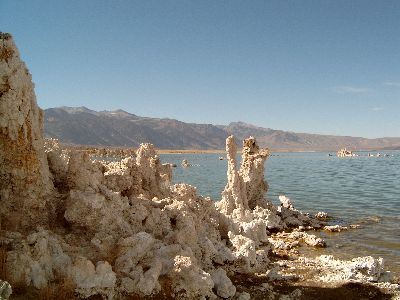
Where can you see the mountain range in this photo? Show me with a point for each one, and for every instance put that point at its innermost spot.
(83, 126)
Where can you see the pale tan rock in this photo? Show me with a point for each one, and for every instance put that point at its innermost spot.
(222, 284)
(244, 251)
(335, 228)
(299, 236)
(24, 173)
(345, 153)
(121, 227)
(362, 269)
(91, 280)
(321, 216)
(286, 202)
(155, 177)
(185, 163)
(37, 260)
(190, 280)
(314, 241)
(58, 160)
(252, 171)
(234, 195)
(83, 174)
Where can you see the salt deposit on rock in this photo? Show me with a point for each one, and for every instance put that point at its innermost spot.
(292, 239)
(335, 228)
(345, 153)
(360, 268)
(286, 202)
(119, 229)
(321, 216)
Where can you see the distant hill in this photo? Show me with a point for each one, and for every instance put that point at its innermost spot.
(119, 128)
(80, 125)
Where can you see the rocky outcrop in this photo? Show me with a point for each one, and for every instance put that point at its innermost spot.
(345, 153)
(24, 172)
(120, 228)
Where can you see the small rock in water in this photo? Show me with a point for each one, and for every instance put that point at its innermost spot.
(185, 163)
(355, 226)
(321, 216)
(286, 202)
(335, 228)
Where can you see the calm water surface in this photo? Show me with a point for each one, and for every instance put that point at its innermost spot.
(360, 190)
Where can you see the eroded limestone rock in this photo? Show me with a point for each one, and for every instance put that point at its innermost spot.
(121, 228)
(24, 173)
(36, 260)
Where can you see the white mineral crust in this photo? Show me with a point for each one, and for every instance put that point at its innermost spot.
(121, 228)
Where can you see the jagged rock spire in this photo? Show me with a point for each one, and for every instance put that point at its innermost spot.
(24, 172)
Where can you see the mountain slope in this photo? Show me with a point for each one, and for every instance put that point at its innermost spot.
(80, 125)
(119, 128)
(286, 140)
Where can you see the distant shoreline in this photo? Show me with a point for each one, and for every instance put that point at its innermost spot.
(127, 149)
(197, 151)
(189, 151)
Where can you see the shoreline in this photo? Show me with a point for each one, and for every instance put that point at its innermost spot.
(126, 149)
(74, 228)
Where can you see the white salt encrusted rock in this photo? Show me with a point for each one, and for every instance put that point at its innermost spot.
(190, 280)
(360, 269)
(335, 228)
(286, 202)
(321, 216)
(297, 236)
(122, 229)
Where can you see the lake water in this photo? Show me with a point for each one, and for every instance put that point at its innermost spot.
(359, 190)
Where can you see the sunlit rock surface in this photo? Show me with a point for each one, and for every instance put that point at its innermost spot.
(24, 172)
(119, 229)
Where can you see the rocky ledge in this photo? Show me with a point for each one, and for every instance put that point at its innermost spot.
(75, 227)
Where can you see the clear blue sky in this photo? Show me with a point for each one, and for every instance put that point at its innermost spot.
(328, 67)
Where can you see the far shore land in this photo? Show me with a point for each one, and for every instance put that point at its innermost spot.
(126, 150)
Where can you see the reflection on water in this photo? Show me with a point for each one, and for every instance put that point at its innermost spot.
(360, 190)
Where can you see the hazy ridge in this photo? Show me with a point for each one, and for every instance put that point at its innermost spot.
(80, 125)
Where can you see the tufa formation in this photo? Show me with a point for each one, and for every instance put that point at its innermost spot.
(119, 229)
